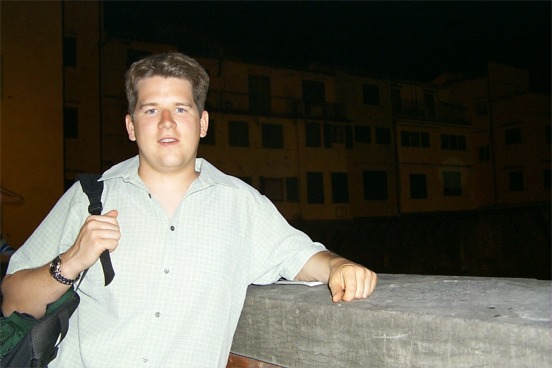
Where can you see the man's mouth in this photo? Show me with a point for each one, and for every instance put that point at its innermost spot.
(167, 140)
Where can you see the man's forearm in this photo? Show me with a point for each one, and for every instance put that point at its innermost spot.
(319, 266)
(30, 291)
(347, 280)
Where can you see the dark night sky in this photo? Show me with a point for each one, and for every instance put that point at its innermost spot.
(403, 40)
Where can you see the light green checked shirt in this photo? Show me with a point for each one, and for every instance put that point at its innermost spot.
(180, 282)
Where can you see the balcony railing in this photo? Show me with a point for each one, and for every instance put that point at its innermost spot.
(442, 112)
(241, 103)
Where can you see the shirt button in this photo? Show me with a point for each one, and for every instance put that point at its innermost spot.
(172, 228)
(166, 270)
(145, 360)
(157, 314)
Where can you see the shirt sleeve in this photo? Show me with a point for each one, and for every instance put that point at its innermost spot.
(279, 250)
(55, 234)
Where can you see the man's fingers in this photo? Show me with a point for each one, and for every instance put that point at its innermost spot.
(102, 230)
(370, 285)
(337, 294)
(352, 282)
(343, 287)
(112, 213)
(105, 221)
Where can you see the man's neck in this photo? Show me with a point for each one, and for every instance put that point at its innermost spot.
(169, 188)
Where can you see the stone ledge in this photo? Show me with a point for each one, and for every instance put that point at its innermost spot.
(410, 321)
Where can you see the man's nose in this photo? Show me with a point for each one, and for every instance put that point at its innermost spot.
(166, 120)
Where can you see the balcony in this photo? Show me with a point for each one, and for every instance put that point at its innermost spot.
(242, 103)
(441, 112)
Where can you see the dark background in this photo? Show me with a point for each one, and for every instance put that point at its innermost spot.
(394, 40)
(399, 40)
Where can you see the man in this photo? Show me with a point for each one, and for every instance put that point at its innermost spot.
(185, 240)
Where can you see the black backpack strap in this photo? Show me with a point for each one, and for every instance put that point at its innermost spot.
(93, 189)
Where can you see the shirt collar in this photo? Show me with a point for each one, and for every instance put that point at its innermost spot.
(126, 170)
(209, 175)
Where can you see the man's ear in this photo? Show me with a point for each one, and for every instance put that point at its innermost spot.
(203, 124)
(130, 127)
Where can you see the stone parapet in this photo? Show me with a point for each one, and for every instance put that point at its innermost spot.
(409, 321)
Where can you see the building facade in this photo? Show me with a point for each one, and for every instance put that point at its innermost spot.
(321, 144)
(329, 144)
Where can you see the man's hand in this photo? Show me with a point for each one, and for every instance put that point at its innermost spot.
(350, 281)
(347, 280)
(97, 234)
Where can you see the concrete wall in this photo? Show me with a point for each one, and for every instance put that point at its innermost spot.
(410, 321)
(31, 115)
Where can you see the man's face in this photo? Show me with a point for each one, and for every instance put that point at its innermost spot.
(166, 125)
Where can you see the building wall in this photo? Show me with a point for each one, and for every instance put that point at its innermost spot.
(481, 109)
(522, 148)
(456, 109)
(433, 141)
(31, 115)
(369, 154)
(474, 96)
(82, 87)
(229, 101)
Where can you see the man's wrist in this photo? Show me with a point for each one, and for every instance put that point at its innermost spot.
(337, 261)
(56, 272)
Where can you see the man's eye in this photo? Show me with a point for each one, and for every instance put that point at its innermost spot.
(150, 111)
(180, 110)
